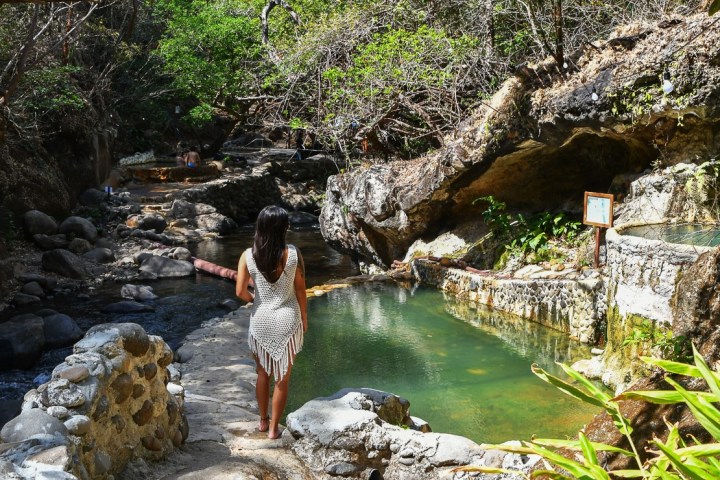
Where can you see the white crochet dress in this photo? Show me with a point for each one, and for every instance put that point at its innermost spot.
(276, 333)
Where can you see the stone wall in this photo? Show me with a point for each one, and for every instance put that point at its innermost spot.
(240, 197)
(574, 307)
(643, 273)
(108, 403)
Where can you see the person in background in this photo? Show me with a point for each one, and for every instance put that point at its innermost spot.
(278, 319)
(192, 158)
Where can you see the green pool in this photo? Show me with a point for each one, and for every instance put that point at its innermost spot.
(464, 371)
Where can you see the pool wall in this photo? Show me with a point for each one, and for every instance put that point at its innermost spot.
(577, 308)
(643, 273)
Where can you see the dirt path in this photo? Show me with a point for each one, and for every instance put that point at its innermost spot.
(218, 376)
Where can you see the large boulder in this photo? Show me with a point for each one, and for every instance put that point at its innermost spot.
(696, 305)
(163, 267)
(31, 422)
(36, 222)
(50, 242)
(22, 339)
(65, 263)
(216, 223)
(184, 209)
(99, 255)
(152, 221)
(356, 432)
(79, 227)
(60, 330)
(539, 143)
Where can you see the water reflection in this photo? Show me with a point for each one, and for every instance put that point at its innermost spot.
(471, 376)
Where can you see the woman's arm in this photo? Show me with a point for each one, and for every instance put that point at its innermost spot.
(300, 290)
(243, 281)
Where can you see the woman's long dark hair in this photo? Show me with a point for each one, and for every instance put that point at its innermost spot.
(269, 245)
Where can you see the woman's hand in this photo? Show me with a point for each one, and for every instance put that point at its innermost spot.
(243, 281)
(300, 293)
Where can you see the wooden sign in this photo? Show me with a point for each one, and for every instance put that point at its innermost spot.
(598, 209)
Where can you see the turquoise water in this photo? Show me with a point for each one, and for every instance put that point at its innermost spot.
(464, 371)
(689, 234)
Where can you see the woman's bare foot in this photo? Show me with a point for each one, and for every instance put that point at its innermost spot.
(274, 434)
(264, 424)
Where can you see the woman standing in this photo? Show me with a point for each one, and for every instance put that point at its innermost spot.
(278, 319)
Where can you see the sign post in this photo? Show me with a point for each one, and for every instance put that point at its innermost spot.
(598, 212)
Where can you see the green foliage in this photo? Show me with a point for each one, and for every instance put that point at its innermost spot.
(214, 52)
(528, 234)
(658, 339)
(53, 92)
(671, 459)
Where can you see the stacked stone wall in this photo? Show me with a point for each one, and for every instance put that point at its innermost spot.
(643, 274)
(111, 401)
(571, 306)
(240, 197)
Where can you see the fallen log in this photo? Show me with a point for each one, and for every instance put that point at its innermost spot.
(208, 267)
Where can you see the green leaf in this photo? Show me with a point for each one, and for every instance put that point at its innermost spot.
(714, 7)
(475, 469)
(575, 445)
(592, 388)
(588, 451)
(628, 473)
(566, 387)
(674, 367)
(704, 411)
(681, 465)
(709, 376)
(552, 474)
(661, 397)
(707, 450)
(573, 467)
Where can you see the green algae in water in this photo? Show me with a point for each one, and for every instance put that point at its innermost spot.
(464, 371)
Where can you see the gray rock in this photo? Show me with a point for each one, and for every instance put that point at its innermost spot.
(99, 255)
(21, 299)
(33, 288)
(128, 306)
(131, 336)
(216, 223)
(48, 283)
(181, 253)
(153, 221)
(80, 228)
(60, 330)
(341, 469)
(31, 422)
(78, 425)
(93, 197)
(137, 292)
(105, 243)
(163, 267)
(50, 242)
(302, 220)
(63, 393)
(64, 263)
(78, 246)
(21, 341)
(185, 209)
(58, 412)
(36, 222)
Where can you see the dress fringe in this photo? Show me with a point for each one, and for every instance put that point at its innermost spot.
(278, 367)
